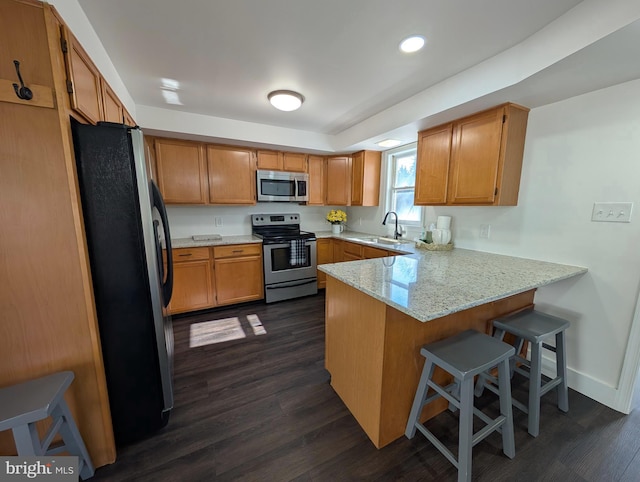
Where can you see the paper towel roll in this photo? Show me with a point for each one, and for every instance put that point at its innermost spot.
(444, 222)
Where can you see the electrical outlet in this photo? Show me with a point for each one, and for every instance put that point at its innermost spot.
(485, 231)
(359, 221)
(612, 212)
(217, 220)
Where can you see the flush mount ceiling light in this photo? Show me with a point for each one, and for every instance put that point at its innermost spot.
(389, 143)
(412, 44)
(286, 100)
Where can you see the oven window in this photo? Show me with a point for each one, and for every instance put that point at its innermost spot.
(275, 187)
(281, 259)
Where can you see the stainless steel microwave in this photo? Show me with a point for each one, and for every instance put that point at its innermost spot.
(282, 186)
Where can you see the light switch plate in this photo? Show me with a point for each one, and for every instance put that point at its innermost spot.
(612, 212)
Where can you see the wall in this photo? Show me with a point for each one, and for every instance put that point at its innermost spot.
(578, 151)
(186, 221)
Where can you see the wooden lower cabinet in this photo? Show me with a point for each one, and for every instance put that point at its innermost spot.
(324, 253)
(238, 273)
(193, 287)
(331, 250)
(205, 277)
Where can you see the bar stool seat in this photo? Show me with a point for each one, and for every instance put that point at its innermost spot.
(534, 327)
(464, 356)
(22, 405)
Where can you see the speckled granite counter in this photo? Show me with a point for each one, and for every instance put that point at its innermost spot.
(432, 284)
(238, 239)
(380, 312)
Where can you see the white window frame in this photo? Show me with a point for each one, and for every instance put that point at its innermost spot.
(389, 159)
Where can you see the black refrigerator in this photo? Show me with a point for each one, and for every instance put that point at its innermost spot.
(124, 218)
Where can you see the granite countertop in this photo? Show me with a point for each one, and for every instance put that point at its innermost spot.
(431, 284)
(237, 239)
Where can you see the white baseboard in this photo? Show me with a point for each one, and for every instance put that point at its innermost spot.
(586, 385)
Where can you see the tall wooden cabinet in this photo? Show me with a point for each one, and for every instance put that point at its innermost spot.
(232, 175)
(317, 181)
(47, 311)
(338, 181)
(365, 178)
(476, 160)
(182, 171)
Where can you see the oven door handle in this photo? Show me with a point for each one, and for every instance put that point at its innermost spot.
(290, 285)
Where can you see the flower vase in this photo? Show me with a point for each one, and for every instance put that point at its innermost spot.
(337, 228)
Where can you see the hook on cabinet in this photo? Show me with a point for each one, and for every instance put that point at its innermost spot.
(23, 92)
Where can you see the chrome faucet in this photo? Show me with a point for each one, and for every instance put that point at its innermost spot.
(396, 233)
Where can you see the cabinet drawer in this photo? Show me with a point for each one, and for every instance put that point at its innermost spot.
(353, 249)
(235, 250)
(190, 254)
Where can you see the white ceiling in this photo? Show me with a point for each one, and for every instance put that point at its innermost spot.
(341, 55)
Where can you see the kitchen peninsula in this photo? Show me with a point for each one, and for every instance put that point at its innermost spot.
(379, 312)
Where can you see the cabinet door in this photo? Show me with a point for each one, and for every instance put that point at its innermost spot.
(357, 173)
(84, 80)
(271, 160)
(338, 181)
(432, 172)
(475, 157)
(182, 171)
(232, 175)
(238, 279)
(338, 253)
(351, 250)
(317, 182)
(365, 178)
(294, 161)
(192, 286)
(128, 120)
(324, 256)
(111, 106)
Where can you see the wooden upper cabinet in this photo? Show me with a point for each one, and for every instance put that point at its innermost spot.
(182, 171)
(128, 119)
(83, 80)
(317, 183)
(281, 161)
(432, 172)
(270, 160)
(294, 161)
(232, 175)
(483, 164)
(338, 181)
(111, 107)
(365, 178)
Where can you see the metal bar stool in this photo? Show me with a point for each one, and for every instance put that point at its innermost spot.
(464, 356)
(534, 327)
(22, 405)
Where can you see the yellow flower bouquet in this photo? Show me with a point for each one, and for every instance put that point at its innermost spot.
(336, 216)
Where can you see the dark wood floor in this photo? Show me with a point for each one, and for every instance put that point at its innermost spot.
(262, 409)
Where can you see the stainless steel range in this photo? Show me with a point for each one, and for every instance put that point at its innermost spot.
(289, 256)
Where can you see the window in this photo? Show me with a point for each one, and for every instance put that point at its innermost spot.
(401, 181)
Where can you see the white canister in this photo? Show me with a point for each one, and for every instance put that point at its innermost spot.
(441, 236)
(444, 222)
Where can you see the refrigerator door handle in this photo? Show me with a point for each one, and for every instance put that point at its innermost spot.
(158, 203)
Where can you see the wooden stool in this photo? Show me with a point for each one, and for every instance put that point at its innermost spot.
(464, 356)
(534, 327)
(22, 405)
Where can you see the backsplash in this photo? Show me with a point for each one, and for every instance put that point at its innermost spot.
(185, 221)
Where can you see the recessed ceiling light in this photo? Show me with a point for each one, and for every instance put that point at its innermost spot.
(286, 100)
(412, 44)
(389, 143)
